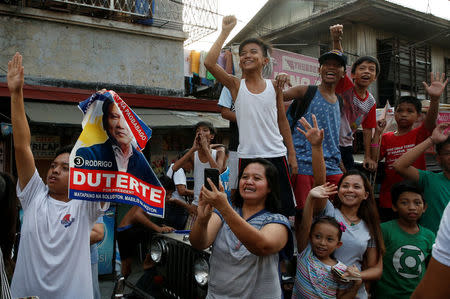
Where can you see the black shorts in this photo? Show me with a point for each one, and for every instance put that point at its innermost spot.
(128, 237)
(286, 193)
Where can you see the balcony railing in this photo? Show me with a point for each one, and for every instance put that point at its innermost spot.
(195, 17)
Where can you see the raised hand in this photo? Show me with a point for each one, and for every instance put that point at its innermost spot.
(15, 74)
(216, 197)
(323, 191)
(228, 23)
(196, 143)
(440, 133)
(204, 209)
(437, 85)
(381, 125)
(203, 143)
(337, 31)
(282, 79)
(313, 134)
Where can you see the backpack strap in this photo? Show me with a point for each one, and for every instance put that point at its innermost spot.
(299, 106)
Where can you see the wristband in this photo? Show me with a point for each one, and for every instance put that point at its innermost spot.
(375, 145)
(432, 141)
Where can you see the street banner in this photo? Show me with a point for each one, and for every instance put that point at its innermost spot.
(106, 163)
(302, 69)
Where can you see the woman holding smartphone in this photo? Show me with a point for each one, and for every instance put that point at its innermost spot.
(246, 237)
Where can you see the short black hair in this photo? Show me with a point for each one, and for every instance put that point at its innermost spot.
(439, 146)
(405, 186)
(64, 149)
(329, 220)
(265, 47)
(370, 59)
(272, 203)
(410, 100)
(167, 183)
(207, 124)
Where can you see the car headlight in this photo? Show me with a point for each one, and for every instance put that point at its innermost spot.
(201, 271)
(157, 250)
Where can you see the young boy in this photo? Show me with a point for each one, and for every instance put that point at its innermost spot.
(394, 144)
(201, 156)
(325, 105)
(178, 207)
(53, 257)
(359, 104)
(436, 185)
(408, 244)
(263, 127)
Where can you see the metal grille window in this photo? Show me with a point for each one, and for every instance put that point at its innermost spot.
(404, 66)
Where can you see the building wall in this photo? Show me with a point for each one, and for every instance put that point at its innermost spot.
(63, 49)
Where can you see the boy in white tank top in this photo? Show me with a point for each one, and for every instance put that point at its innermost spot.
(201, 156)
(263, 128)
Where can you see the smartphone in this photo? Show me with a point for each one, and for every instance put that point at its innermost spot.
(213, 175)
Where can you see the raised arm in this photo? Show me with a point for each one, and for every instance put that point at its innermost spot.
(434, 90)
(322, 192)
(337, 31)
(269, 240)
(315, 136)
(228, 114)
(296, 92)
(188, 157)
(403, 165)
(376, 140)
(285, 131)
(206, 225)
(21, 131)
(231, 82)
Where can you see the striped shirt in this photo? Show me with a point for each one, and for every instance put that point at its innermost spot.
(314, 279)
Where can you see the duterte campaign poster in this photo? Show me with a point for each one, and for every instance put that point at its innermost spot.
(106, 163)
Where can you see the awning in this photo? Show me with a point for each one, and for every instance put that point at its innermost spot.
(69, 114)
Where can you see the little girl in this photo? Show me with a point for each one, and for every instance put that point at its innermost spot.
(317, 242)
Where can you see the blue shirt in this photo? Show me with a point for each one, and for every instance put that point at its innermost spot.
(328, 118)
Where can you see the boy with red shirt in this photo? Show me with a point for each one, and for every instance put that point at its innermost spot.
(359, 104)
(395, 144)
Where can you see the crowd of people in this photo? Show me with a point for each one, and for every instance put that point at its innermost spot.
(288, 179)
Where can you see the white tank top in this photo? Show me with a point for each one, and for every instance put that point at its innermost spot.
(199, 177)
(256, 115)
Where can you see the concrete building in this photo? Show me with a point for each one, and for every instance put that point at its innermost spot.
(409, 44)
(73, 48)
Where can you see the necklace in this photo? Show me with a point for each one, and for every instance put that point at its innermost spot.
(352, 222)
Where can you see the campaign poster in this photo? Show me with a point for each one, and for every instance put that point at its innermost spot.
(106, 163)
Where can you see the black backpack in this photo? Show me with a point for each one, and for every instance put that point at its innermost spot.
(299, 107)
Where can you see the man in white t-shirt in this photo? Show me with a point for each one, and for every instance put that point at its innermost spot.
(54, 257)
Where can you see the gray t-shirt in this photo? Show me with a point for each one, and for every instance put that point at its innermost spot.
(236, 272)
(355, 241)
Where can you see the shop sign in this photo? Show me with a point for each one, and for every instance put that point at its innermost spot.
(45, 147)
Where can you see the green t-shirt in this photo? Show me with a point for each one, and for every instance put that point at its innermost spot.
(436, 188)
(404, 260)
